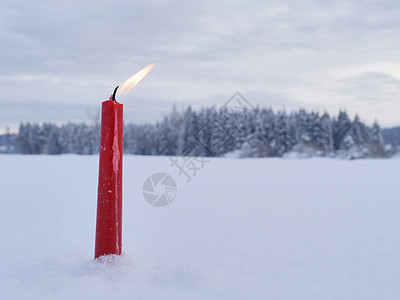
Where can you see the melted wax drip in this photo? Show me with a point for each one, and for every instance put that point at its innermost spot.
(115, 161)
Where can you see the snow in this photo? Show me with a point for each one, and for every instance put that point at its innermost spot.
(240, 229)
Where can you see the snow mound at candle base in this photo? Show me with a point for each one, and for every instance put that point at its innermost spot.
(241, 229)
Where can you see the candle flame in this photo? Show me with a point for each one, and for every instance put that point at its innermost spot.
(127, 85)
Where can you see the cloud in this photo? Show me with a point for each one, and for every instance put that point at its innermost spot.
(378, 85)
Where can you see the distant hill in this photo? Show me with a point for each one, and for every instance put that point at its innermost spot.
(391, 136)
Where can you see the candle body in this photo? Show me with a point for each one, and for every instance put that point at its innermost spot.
(109, 199)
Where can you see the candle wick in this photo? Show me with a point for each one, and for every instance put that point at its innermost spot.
(115, 92)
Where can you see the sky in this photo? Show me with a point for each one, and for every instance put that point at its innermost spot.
(61, 59)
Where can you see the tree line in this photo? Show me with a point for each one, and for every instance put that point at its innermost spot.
(258, 132)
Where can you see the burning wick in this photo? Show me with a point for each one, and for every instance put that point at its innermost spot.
(115, 92)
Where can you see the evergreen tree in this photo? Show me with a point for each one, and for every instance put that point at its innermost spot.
(260, 140)
(376, 135)
(224, 121)
(340, 128)
(192, 134)
(322, 132)
(361, 131)
(376, 141)
(23, 143)
(303, 126)
(282, 143)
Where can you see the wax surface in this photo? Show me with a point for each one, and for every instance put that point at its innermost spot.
(109, 201)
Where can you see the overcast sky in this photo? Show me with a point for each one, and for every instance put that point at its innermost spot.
(60, 59)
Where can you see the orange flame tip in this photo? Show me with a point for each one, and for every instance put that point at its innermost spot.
(127, 85)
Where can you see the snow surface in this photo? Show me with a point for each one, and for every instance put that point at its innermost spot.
(241, 229)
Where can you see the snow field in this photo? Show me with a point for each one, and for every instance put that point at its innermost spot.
(241, 229)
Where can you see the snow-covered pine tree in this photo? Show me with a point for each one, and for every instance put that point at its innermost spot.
(143, 143)
(375, 134)
(340, 128)
(293, 134)
(192, 134)
(207, 119)
(260, 140)
(224, 121)
(54, 146)
(93, 139)
(376, 143)
(359, 132)
(23, 143)
(356, 140)
(302, 126)
(238, 120)
(325, 138)
(177, 124)
(219, 135)
(130, 139)
(281, 143)
(168, 137)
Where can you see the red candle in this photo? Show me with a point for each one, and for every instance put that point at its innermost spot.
(109, 200)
